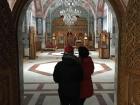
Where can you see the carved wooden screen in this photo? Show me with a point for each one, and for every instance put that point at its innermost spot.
(69, 34)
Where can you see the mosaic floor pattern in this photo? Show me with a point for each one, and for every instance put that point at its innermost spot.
(46, 94)
(40, 89)
(48, 67)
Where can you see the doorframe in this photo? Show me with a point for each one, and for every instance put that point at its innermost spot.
(21, 6)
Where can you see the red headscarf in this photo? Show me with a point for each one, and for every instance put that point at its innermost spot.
(68, 49)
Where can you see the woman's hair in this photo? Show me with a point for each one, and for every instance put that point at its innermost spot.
(83, 51)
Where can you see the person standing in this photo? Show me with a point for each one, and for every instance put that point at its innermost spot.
(88, 69)
(68, 74)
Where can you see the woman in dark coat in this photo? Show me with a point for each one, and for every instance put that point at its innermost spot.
(88, 69)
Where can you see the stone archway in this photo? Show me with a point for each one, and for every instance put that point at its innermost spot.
(118, 12)
(128, 55)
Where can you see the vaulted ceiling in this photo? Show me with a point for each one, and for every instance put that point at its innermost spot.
(45, 7)
(54, 6)
(47, 4)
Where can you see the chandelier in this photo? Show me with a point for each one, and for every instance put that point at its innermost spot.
(70, 15)
(69, 11)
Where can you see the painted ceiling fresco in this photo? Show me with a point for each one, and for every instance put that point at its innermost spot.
(54, 4)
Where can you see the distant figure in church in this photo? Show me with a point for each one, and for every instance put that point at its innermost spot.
(68, 74)
(70, 39)
(88, 69)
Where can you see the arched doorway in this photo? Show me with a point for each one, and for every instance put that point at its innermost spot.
(128, 67)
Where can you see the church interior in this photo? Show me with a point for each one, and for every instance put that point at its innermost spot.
(34, 34)
(47, 27)
(50, 26)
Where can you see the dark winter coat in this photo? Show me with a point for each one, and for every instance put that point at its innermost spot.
(68, 74)
(86, 84)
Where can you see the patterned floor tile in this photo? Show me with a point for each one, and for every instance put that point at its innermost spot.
(46, 94)
(40, 89)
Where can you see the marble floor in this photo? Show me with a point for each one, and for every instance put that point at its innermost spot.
(40, 89)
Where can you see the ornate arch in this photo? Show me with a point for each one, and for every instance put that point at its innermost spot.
(120, 14)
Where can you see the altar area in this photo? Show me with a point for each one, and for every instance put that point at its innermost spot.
(74, 35)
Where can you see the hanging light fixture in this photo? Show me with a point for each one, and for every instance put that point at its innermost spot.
(69, 20)
(70, 15)
(69, 11)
